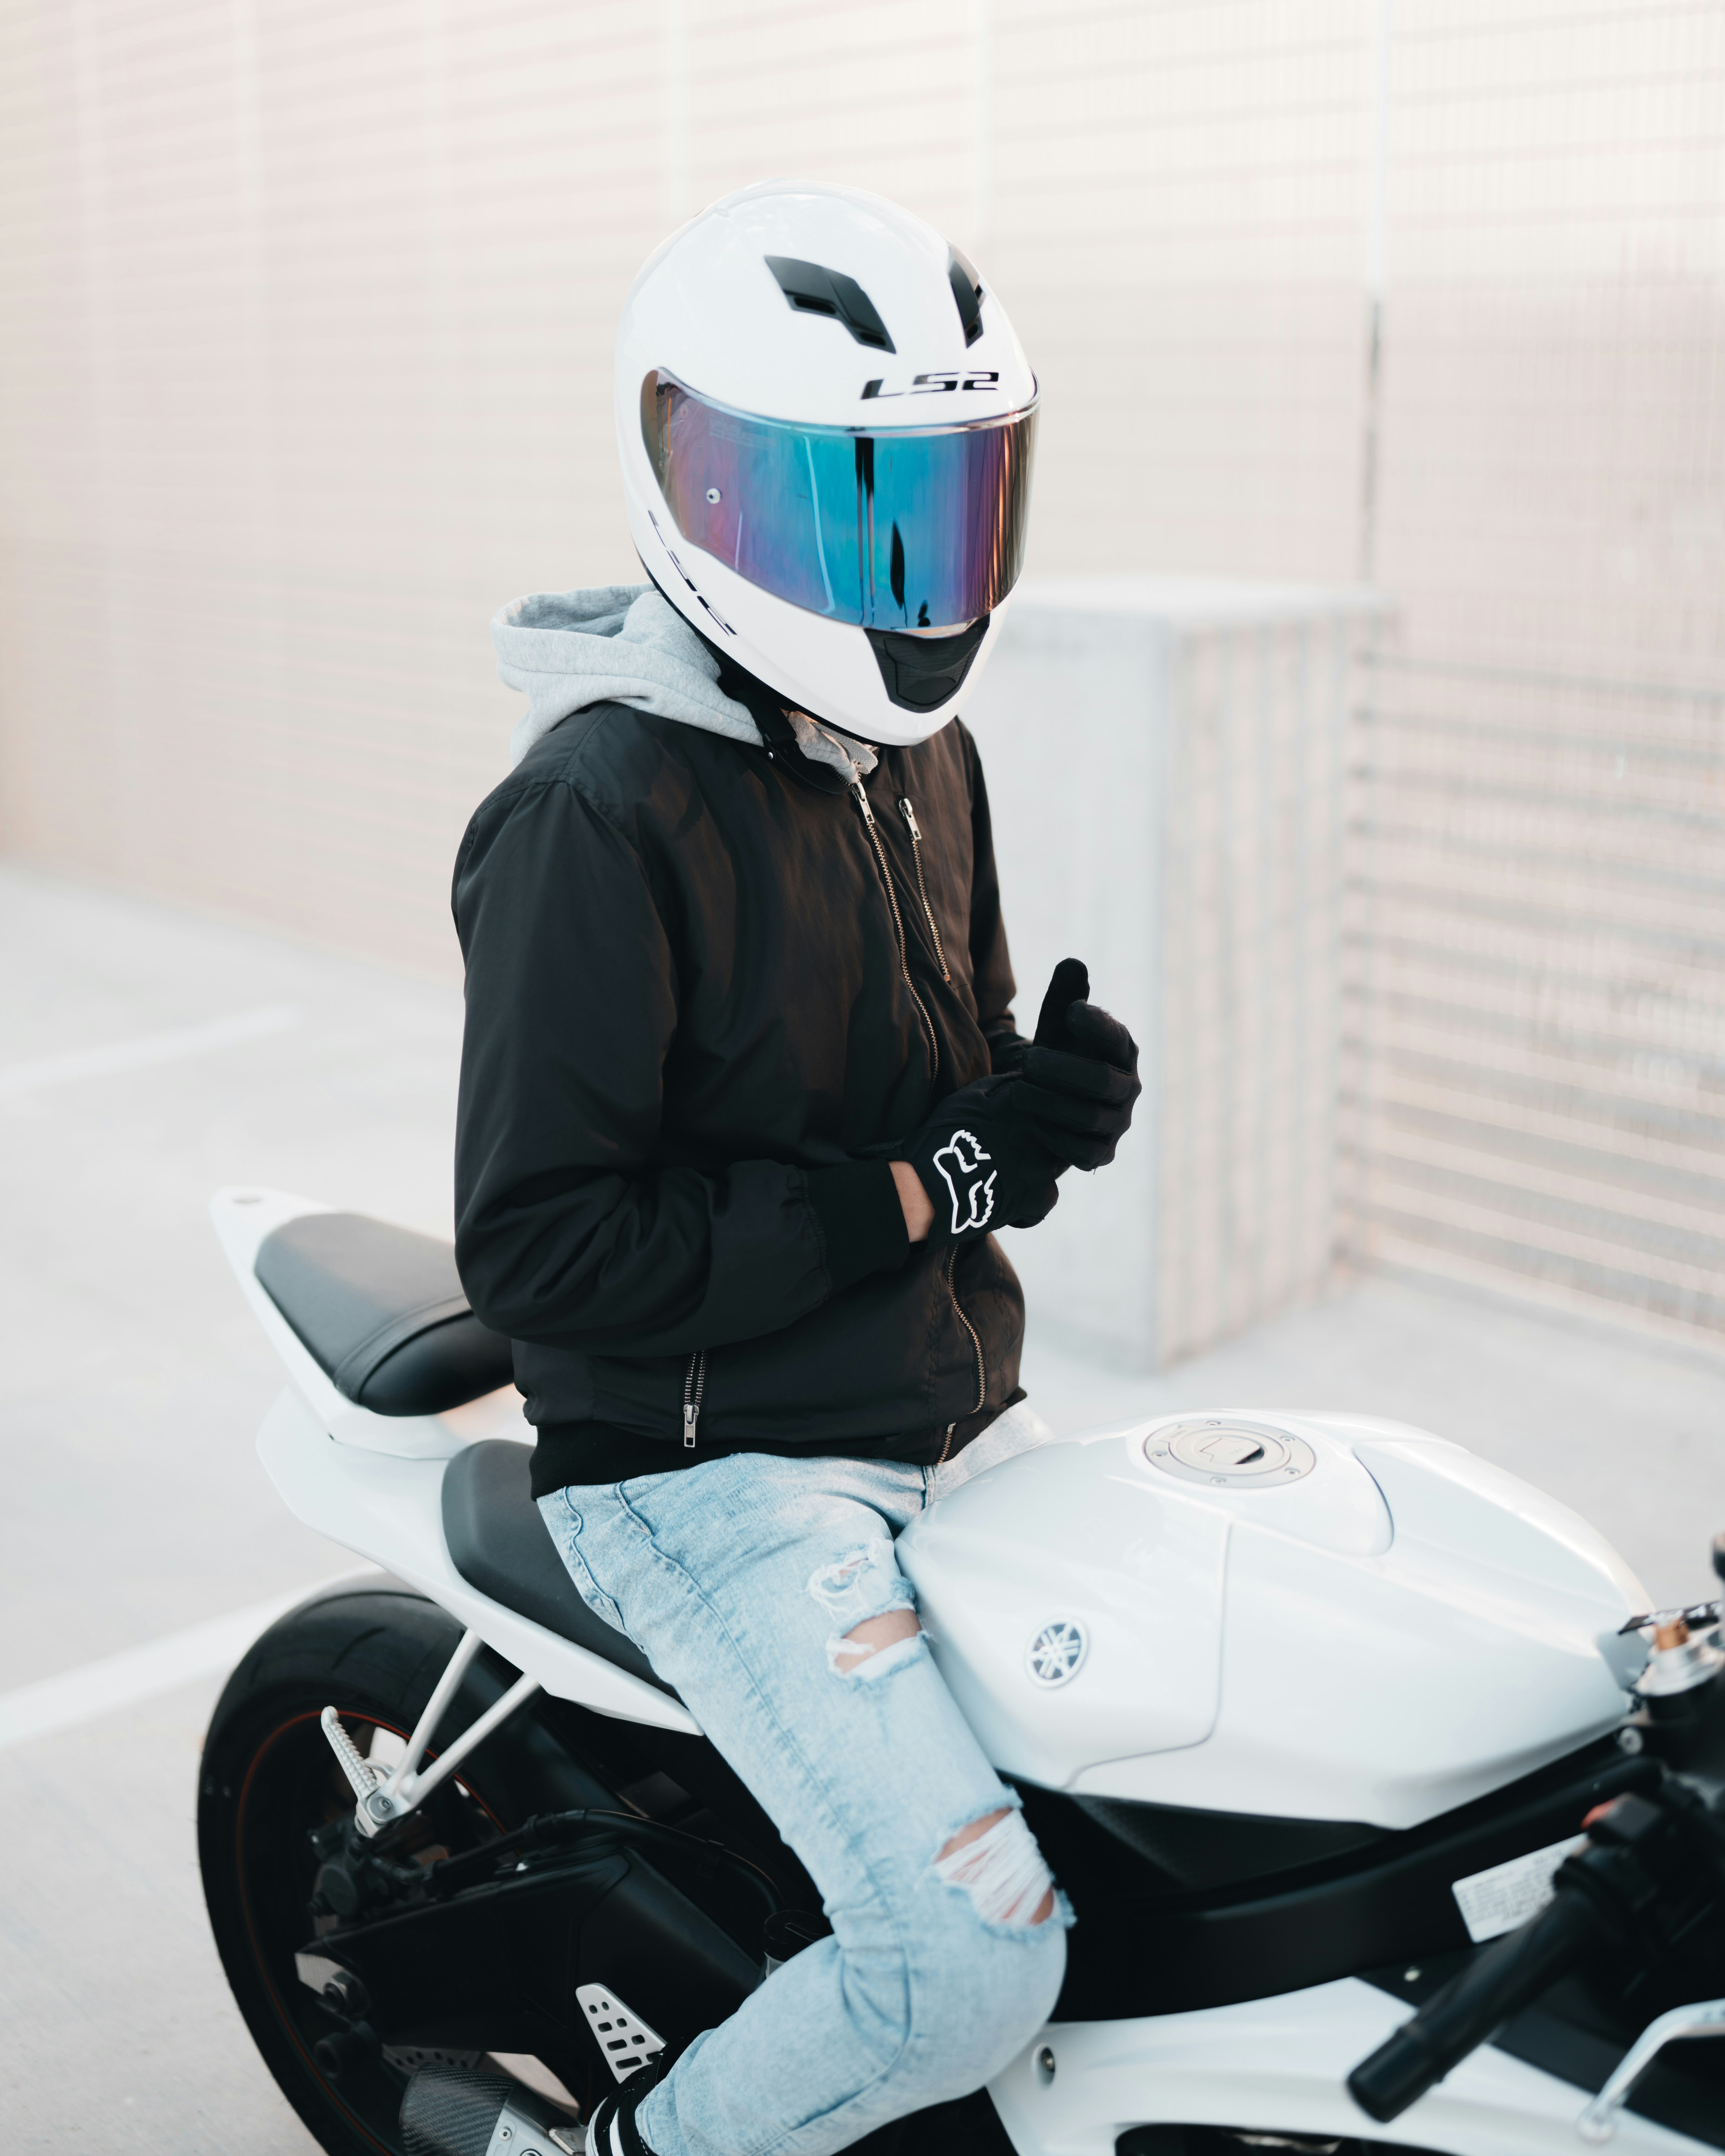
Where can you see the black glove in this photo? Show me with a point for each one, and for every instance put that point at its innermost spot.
(982, 1165)
(1079, 1078)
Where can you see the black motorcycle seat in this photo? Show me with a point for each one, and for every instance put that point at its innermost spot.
(381, 1311)
(498, 1543)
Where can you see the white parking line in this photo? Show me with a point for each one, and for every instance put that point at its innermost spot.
(149, 1047)
(139, 1673)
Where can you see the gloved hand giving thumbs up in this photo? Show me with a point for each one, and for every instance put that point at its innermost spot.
(1078, 1082)
(989, 1155)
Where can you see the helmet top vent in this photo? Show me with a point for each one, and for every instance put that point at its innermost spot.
(811, 289)
(968, 291)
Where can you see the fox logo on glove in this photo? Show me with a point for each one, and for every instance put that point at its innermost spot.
(960, 1161)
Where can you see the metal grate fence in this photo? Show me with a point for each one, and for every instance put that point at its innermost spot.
(1535, 1029)
(1250, 900)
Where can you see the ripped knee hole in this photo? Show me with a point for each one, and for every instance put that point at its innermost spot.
(996, 1860)
(866, 1640)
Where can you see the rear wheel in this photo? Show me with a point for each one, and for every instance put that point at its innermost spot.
(269, 1779)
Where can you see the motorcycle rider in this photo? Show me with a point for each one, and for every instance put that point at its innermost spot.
(742, 1098)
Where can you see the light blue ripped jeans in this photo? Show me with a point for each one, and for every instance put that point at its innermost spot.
(739, 1579)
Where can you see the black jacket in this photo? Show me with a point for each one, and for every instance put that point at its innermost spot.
(700, 1017)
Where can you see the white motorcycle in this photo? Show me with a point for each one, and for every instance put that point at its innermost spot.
(1379, 1796)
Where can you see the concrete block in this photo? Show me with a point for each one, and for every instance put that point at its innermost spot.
(1165, 763)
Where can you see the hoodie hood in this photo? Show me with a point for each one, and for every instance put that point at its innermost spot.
(626, 644)
(617, 643)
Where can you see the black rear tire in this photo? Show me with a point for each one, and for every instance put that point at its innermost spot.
(374, 1652)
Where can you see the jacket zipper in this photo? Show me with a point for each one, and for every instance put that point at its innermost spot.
(981, 1377)
(693, 1385)
(909, 813)
(898, 923)
(904, 966)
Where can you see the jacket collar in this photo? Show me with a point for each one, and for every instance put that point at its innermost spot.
(767, 709)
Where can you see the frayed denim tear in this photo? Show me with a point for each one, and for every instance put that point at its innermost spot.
(1006, 1877)
(865, 1583)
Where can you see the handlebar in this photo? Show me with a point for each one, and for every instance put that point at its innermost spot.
(1648, 1870)
(1508, 1975)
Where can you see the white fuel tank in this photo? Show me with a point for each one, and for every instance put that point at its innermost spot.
(1315, 1616)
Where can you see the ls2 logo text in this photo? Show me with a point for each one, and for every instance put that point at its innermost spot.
(930, 385)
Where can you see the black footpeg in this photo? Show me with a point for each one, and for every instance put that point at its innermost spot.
(448, 2111)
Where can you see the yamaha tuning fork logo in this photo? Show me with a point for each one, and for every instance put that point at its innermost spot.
(1057, 1654)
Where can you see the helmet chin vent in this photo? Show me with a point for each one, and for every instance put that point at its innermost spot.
(921, 673)
(810, 289)
(968, 291)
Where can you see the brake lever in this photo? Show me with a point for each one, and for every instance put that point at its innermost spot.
(1698, 1614)
(1598, 2121)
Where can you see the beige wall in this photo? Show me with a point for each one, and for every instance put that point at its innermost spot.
(308, 310)
(305, 313)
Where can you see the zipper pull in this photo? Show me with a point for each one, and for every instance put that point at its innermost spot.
(694, 1385)
(862, 802)
(908, 812)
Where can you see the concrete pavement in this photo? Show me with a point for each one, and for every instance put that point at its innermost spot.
(147, 1056)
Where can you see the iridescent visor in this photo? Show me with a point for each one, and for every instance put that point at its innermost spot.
(920, 528)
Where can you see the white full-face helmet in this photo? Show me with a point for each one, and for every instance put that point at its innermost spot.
(827, 429)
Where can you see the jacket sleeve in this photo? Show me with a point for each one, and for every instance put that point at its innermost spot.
(990, 963)
(571, 1226)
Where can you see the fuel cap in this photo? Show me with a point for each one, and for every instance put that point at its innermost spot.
(1223, 1450)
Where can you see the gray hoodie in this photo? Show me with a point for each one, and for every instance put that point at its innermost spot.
(626, 644)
